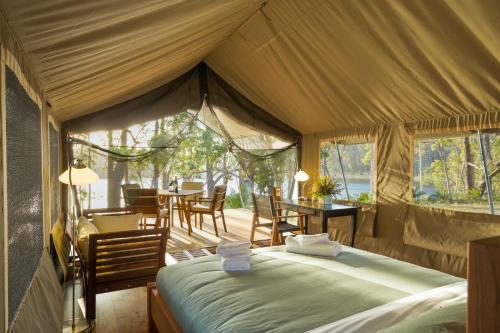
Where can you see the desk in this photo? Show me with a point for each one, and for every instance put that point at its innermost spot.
(324, 212)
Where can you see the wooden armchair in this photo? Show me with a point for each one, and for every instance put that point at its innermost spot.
(147, 202)
(122, 260)
(265, 208)
(209, 206)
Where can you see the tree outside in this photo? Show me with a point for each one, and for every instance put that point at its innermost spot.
(190, 151)
(448, 171)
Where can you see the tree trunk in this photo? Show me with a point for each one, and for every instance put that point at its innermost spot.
(164, 179)
(156, 170)
(210, 178)
(469, 170)
(445, 167)
(487, 148)
(115, 173)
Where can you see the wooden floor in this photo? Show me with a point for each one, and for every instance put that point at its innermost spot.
(238, 227)
(125, 311)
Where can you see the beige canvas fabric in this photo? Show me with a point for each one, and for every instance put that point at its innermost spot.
(90, 55)
(447, 231)
(316, 65)
(43, 305)
(323, 65)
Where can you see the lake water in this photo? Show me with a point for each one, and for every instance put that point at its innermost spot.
(355, 187)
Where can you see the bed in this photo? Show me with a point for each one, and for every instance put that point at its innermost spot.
(288, 292)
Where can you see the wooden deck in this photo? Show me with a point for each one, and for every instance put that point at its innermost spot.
(238, 226)
(125, 311)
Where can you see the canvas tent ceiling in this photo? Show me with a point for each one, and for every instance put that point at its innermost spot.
(316, 65)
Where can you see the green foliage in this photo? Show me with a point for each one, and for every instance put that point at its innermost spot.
(364, 197)
(451, 170)
(233, 200)
(325, 185)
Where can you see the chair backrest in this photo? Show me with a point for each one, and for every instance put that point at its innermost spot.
(218, 197)
(192, 186)
(277, 194)
(264, 206)
(125, 188)
(143, 200)
(121, 260)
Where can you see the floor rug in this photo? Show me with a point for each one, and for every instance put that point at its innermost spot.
(177, 256)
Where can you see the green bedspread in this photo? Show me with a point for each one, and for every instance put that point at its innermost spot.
(287, 292)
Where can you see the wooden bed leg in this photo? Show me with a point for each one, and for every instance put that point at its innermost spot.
(160, 318)
(151, 325)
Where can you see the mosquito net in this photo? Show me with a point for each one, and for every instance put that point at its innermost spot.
(196, 128)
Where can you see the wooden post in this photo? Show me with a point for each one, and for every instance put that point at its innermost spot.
(483, 275)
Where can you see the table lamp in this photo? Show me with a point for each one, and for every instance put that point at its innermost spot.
(77, 174)
(301, 177)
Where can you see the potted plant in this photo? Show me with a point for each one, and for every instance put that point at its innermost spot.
(325, 188)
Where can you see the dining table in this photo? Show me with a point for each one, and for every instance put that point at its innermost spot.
(180, 198)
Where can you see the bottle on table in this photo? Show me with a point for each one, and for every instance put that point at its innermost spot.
(176, 185)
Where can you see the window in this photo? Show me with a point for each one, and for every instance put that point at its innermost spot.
(450, 172)
(352, 165)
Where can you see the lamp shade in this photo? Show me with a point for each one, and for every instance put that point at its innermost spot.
(301, 176)
(80, 175)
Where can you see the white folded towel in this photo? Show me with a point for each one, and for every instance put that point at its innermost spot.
(236, 264)
(233, 249)
(312, 239)
(330, 249)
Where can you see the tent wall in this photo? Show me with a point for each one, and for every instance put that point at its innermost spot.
(393, 193)
(20, 75)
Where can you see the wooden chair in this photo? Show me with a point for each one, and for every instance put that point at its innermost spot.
(122, 260)
(125, 188)
(147, 202)
(179, 206)
(277, 196)
(212, 206)
(265, 208)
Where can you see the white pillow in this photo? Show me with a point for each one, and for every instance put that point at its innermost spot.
(113, 223)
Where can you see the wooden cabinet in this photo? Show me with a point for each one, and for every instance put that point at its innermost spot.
(483, 275)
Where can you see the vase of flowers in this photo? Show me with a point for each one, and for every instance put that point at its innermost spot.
(325, 189)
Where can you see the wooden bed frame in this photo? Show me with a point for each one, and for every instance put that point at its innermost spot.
(160, 318)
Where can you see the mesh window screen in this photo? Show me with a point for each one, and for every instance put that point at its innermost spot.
(190, 151)
(24, 190)
(54, 173)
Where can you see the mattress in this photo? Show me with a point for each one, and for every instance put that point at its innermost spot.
(288, 292)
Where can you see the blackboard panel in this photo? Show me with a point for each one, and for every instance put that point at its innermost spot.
(54, 173)
(24, 189)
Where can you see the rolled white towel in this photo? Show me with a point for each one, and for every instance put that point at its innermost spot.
(233, 249)
(236, 264)
(330, 249)
(312, 239)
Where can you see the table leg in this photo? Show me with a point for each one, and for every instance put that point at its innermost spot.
(354, 218)
(180, 209)
(186, 213)
(324, 222)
